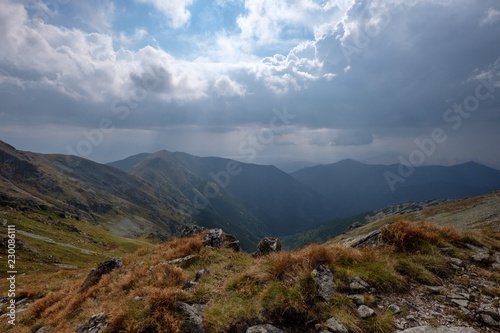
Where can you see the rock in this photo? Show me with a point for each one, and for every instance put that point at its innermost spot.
(264, 329)
(409, 305)
(394, 308)
(44, 329)
(103, 268)
(228, 238)
(481, 258)
(460, 302)
(488, 320)
(183, 260)
(371, 239)
(138, 298)
(335, 326)
(441, 329)
(268, 245)
(435, 290)
(214, 238)
(200, 273)
(323, 277)
(193, 322)
(457, 262)
(235, 246)
(357, 299)
(365, 312)
(97, 323)
(190, 231)
(490, 310)
(357, 284)
(189, 285)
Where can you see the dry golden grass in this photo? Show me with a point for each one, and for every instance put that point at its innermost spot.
(410, 236)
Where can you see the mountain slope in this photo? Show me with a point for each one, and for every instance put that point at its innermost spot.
(353, 187)
(88, 191)
(269, 200)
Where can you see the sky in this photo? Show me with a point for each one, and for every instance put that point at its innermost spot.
(290, 83)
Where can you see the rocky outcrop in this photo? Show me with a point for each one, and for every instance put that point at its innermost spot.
(191, 231)
(371, 239)
(267, 245)
(323, 278)
(193, 321)
(183, 260)
(214, 238)
(103, 268)
(97, 323)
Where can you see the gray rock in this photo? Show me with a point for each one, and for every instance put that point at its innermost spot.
(460, 302)
(214, 238)
(335, 326)
(441, 329)
(457, 262)
(482, 258)
(365, 312)
(44, 329)
(97, 323)
(490, 310)
(264, 329)
(183, 260)
(357, 284)
(200, 273)
(371, 239)
(190, 231)
(138, 298)
(323, 277)
(193, 322)
(435, 290)
(488, 320)
(357, 299)
(189, 285)
(267, 245)
(103, 268)
(394, 308)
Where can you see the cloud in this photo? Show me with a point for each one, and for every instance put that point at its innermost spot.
(226, 87)
(492, 15)
(361, 77)
(175, 11)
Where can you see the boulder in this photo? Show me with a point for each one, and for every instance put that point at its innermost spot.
(365, 312)
(97, 323)
(214, 238)
(103, 268)
(323, 277)
(335, 326)
(267, 245)
(264, 329)
(193, 322)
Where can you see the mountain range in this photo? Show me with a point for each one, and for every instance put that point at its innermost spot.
(156, 194)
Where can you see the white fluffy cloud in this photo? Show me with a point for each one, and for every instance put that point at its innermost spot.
(176, 11)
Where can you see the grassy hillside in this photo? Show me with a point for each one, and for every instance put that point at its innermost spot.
(239, 290)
